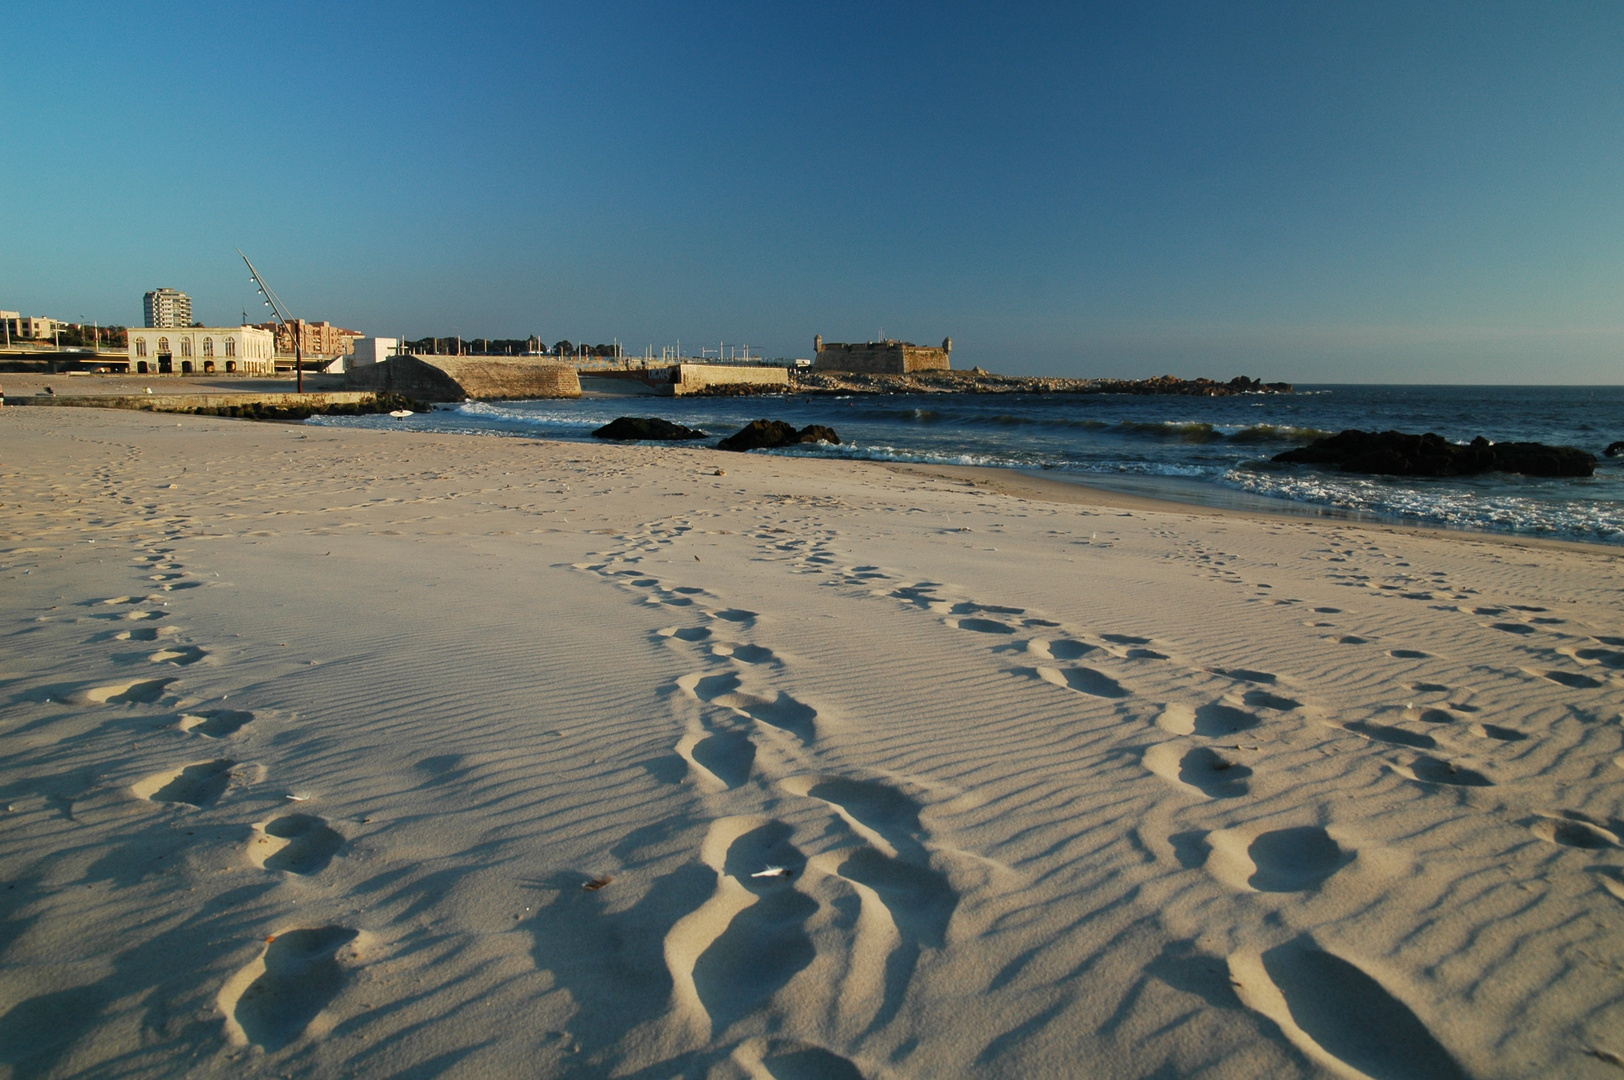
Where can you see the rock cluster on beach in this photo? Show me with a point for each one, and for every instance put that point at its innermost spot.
(647, 428)
(1396, 453)
(768, 434)
(976, 381)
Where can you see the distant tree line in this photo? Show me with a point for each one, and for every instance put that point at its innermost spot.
(75, 336)
(478, 346)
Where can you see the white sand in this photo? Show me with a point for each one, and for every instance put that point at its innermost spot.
(312, 737)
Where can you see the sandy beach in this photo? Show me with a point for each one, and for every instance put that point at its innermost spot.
(348, 753)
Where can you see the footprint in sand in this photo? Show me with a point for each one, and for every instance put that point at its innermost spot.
(920, 594)
(1084, 681)
(180, 655)
(790, 1059)
(1291, 860)
(298, 843)
(1246, 675)
(215, 723)
(1339, 1016)
(882, 815)
(1498, 733)
(780, 710)
(728, 756)
(1429, 770)
(1572, 829)
(1294, 860)
(685, 633)
(735, 615)
(1608, 658)
(1570, 679)
(765, 943)
(982, 626)
(1262, 699)
(128, 693)
(198, 784)
(273, 1000)
(1215, 720)
(747, 654)
(1201, 768)
(1395, 735)
(1066, 649)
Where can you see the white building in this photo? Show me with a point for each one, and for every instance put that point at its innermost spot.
(243, 350)
(372, 350)
(167, 307)
(23, 328)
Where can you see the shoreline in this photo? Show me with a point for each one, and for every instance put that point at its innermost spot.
(1080, 492)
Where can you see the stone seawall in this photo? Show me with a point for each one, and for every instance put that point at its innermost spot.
(706, 378)
(188, 402)
(459, 378)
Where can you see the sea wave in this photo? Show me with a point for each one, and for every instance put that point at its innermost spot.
(1453, 507)
(1200, 431)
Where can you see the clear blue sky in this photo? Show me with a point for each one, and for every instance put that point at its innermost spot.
(1313, 192)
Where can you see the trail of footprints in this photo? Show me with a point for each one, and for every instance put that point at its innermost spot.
(273, 1000)
(744, 731)
(792, 843)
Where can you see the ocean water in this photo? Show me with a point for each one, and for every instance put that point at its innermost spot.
(1206, 450)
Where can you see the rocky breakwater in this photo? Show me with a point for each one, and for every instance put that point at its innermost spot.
(1395, 453)
(976, 381)
(771, 434)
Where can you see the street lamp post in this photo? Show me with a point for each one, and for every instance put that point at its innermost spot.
(274, 302)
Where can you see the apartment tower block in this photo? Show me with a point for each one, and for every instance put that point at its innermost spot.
(167, 307)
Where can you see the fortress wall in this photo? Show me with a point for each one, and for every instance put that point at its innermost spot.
(694, 378)
(917, 358)
(453, 378)
(880, 358)
(864, 359)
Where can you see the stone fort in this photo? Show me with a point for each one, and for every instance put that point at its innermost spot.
(889, 357)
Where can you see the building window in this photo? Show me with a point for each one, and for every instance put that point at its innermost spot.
(141, 348)
(231, 365)
(186, 346)
(208, 346)
(163, 346)
(231, 347)
(208, 365)
(185, 365)
(141, 367)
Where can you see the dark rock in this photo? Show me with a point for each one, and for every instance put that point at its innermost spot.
(768, 434)
(626, 428)
(1614, 449)
(818, 433)
(1395, 453)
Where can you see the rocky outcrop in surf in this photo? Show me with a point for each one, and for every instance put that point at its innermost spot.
(648, 429)
(769, 434)
(1395, 453)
